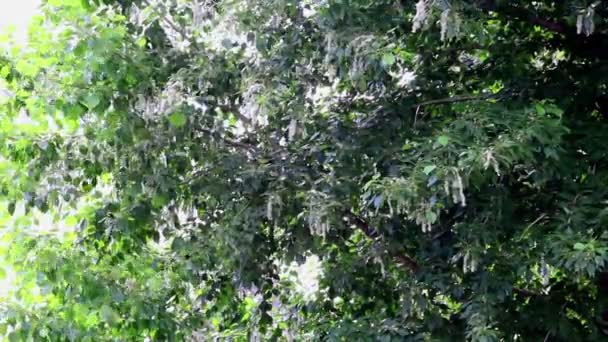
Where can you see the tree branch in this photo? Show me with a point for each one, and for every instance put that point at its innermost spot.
(165, 18)
(512, 11)
(455, 99)
(594, 46)
(402, 259)
(370, 232)
(407, 262)
(229, 142)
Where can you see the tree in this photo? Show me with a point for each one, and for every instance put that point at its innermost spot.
(164, 162)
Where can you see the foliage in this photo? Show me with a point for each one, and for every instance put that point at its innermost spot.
(168, 166)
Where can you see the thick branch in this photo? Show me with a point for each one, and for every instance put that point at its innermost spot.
(407, 262)
(509, 10)
(594, 46)
(369, 231)
(247, 148)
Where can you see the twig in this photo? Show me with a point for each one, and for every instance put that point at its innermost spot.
(538, 219)
(526, 230)
(416, 115)
(456, 99)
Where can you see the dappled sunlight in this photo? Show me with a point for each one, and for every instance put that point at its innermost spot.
(310, 170)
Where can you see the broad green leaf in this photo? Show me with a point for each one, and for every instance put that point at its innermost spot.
(108, 314)
(431, 217)
(388, 59)
(177, 119)
(11, 208)
(553, 109)
(158, 201)
(443, 140)
(428, 169)
(91, 101)
(71, 221)
(540, 109)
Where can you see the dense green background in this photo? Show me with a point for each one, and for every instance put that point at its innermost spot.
(440, 165)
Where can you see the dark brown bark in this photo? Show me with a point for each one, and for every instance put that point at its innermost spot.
(401, 258)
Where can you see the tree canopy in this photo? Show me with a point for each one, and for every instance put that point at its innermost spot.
(305, 170)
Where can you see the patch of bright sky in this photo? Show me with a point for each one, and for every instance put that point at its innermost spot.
(16, 14)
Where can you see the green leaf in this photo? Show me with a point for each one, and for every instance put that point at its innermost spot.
(14, 337)
(428, 169)
(553, 109)
(431, 216)
(388, 59)
(108, 314)
(579, 246)
(11, 208)
(158, 201)
(71, 221)
(540, 109)
(443, 140)
(177, 119)
(232, 120)
(91, 101)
